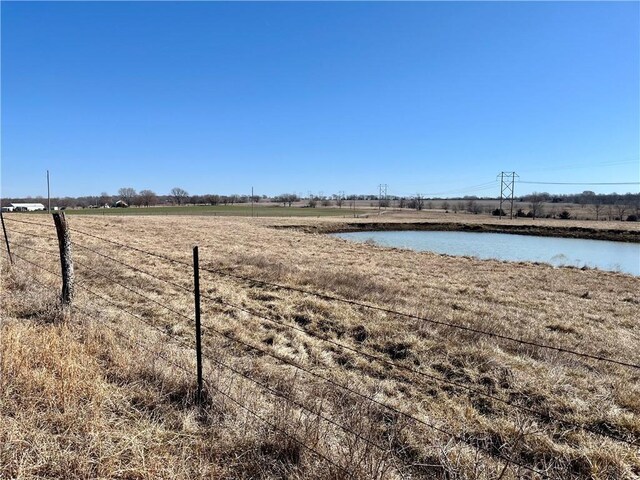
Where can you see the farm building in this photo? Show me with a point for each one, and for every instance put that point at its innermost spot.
(27, 207)
(121, 204)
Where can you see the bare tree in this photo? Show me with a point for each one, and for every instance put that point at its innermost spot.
(472, 206)
(105, 199)
(148, 197)
(286, 199)
(597, 208)
(445, 205)
(417, 202)
(127, 194)
(621, 208)
(138, 201)
(535, 204)
(609, 212)
(212, 199)
(179, 195)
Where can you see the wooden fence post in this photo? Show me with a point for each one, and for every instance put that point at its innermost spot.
(66, 262)
(6, 238)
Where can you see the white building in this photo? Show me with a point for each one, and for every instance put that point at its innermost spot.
(27, 207)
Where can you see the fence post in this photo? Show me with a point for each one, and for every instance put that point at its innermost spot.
(66, 262)
(6, 238)
(196, 290)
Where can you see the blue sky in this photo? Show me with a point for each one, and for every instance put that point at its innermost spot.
(219, 97)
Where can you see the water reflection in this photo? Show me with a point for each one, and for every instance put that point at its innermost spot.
(604, 255)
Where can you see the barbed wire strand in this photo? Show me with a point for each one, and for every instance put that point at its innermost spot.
(222, 364)
(328, 297)
(370, 306)
(443, 431)
(431, 377)
(239, 404)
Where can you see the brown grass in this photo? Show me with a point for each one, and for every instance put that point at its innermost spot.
(105, 395)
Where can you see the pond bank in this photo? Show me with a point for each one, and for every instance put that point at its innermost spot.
(537, 230)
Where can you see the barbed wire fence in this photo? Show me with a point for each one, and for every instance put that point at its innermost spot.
(361, 441)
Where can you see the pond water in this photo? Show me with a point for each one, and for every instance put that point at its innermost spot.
(604, 255)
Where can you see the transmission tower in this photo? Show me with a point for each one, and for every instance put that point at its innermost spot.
(382, 191)
(507, 186)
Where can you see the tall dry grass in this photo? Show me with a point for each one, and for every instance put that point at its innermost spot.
(107, 395)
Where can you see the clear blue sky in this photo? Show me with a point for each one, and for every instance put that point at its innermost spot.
(217, 97)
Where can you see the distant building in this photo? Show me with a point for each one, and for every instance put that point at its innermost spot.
(121, 204)
(27, 207)
(7, 209)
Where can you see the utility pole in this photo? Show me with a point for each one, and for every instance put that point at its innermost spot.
(341, 197)
(48, 194)
(251, 202)
(507, 187)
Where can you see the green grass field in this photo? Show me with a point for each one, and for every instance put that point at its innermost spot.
(221, 210)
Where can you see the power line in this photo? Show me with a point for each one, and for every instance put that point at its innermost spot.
(579, 183)
(469, 189)
(607, 163)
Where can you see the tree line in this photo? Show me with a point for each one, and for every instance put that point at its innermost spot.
(144, 198)
(612, 206)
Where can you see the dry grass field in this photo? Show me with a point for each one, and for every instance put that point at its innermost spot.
(301, 386)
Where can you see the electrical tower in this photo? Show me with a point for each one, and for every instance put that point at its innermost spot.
(382, 191)
(507, 187)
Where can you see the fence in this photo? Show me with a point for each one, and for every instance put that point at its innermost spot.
(317, 413)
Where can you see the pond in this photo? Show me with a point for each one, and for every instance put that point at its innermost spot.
(604, 255)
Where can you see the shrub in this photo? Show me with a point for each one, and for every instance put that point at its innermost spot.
(498, 212)
(632, 218)
(564, 215)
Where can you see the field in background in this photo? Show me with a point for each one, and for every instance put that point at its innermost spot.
(369, 208)
(102, 396)
(219, 210)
